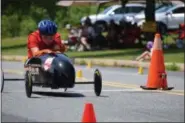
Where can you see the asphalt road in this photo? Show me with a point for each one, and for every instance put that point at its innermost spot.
(121, 99)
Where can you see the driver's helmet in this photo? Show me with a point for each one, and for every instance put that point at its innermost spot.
(47, 27)
(149, 45)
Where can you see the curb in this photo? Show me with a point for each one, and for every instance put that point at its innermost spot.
(101, 62)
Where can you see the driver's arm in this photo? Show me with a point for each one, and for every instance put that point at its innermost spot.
(33, 46)
(36, 52)
(59, 46)
(57, 49)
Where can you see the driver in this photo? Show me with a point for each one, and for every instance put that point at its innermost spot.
(45, 39)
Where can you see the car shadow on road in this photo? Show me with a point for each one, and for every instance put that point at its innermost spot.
(58, 94)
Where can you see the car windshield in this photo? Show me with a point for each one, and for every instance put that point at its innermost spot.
(159, 6)
(106, 10)
(163, 9)
(132, 9)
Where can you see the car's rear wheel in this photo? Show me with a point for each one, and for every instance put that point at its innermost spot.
(97, 82)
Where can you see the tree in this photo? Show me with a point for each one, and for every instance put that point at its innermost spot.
(150, 16)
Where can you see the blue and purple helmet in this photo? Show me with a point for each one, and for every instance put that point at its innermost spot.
(47, 27)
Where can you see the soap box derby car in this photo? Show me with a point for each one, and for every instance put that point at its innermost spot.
(54, 71)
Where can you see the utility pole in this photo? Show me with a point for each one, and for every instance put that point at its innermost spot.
(150, 25)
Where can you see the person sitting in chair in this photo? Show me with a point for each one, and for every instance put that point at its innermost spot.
(87, 35)
(72, 35)
(147, 54)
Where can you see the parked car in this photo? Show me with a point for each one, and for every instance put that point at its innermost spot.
(141, 15)
(167, 17)
(115, 12)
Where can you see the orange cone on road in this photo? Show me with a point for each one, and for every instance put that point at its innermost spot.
(88, 114)
(157, 77)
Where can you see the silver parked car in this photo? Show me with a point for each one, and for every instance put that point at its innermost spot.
(168, 17)
(115, 12)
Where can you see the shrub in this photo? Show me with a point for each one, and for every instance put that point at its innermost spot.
(10, 25)
(172, 67)
(27, 26)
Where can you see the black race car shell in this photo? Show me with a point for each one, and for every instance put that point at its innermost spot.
(59, 62)
(59, 65)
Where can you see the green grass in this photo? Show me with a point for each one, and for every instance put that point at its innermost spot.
(17, 46)
(172, 55)
(17, 41)
(22, 40)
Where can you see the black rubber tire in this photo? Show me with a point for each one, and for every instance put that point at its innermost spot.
(28, 84)
(2, 81)
(97, 82)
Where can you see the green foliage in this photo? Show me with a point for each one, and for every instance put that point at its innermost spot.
(27, 26)
(21, 17)
(38, 13)
(62, 17)
(172, 67)
(10, 25)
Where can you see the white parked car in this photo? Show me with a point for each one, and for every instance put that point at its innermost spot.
(168, 17)
(115, 12)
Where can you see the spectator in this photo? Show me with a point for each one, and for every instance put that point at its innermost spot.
(99, 41)
(181, 37)
(147, 54)
(72, 35)
(113, 33)
(87, 35)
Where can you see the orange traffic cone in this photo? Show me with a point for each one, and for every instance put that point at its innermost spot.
(157, 75)
(89, 115)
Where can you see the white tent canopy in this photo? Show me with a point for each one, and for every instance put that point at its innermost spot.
(96, 2)
(81, 2)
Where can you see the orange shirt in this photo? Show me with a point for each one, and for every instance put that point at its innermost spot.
(34, 40)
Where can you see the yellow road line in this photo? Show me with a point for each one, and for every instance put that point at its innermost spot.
(176, 92)
(13, 71)
(121, 85)
(181, 91)
(172, 92)
(112, 84)
(118, 84)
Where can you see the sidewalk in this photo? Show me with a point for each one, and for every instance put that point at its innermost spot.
(101, 62)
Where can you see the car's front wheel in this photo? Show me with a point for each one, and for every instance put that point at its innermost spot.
(28, 84)
(97, 82)
(2, 81)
